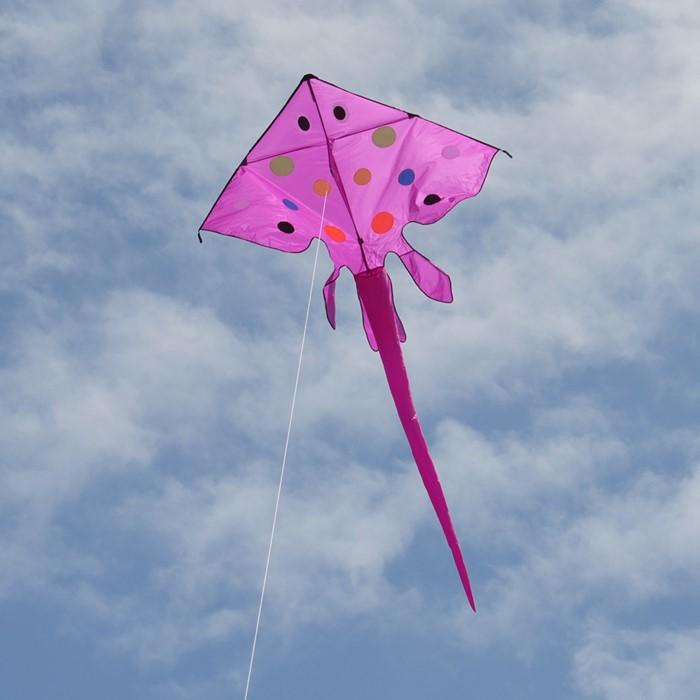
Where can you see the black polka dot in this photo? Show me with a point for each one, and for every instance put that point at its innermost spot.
(432, 199)
(339, 113)
(303, 123)
(285, 227)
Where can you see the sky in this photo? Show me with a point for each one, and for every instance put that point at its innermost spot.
(145, 379)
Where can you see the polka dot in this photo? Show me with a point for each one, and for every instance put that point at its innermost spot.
(362, 176)
(285, 227)
(432, 199)
(450, 152)
(282, 165)
(322, 187)
(382, 222)
(406, 177)
(303, 123)
(290, 205)
(336, 234)
(241, 204)
(339, 112)
(383, 137)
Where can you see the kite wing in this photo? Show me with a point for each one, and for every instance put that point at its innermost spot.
(378, 168)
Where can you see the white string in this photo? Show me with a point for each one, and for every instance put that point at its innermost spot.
(286, 448)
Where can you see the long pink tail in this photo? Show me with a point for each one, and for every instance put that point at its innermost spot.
(374, 290)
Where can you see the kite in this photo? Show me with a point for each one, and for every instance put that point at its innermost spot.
(353, 172)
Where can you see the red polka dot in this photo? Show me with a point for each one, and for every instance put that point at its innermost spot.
(334, 233)
(382, 222)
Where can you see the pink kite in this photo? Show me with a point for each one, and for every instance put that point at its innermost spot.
(358, 171)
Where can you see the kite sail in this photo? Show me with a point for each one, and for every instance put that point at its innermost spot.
(357, 171)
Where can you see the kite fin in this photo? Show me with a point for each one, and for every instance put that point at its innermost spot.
(429, 278)
(329, 296)
(374, 290)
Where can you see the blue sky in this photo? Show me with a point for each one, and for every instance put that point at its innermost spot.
(146, 380)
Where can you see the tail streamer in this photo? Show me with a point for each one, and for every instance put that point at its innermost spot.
(374, 290)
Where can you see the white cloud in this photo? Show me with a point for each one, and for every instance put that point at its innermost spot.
(570, 524)
(99, 394)
(337, 534)
(619, 664)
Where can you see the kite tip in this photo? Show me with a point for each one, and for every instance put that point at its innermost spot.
(308, 76)
(511, 157)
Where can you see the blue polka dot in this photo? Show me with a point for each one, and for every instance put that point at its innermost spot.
(289, 204)
(406, 177)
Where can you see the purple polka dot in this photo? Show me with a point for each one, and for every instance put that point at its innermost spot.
(289, 204)
(450, 152)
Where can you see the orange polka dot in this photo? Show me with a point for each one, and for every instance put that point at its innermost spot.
(334, 233)
(382, 222)
(322, 187)
(362, 176)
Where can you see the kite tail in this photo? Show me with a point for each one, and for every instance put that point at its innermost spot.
(374, 290)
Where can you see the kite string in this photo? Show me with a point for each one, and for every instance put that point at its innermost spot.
(286, 448)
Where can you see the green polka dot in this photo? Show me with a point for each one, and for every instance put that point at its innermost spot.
(282, 165)
(383, 137)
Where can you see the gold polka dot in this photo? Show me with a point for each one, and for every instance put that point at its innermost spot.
(322, 187)
(362, 176)
(282, 165)
(383, 137)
